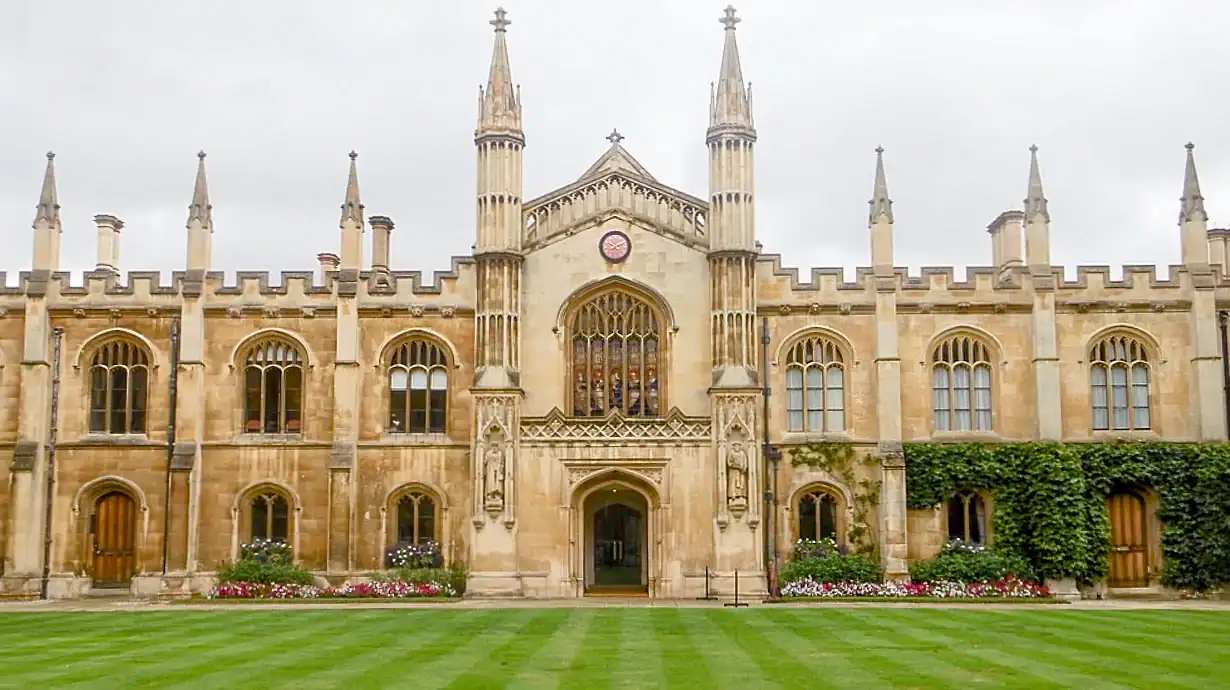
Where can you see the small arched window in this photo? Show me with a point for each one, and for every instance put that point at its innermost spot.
(119, 388)
(418, 389)
(615, 356)
(967, 518)
(270, 517)
(416, 518)
(815, 386)
(273, 388)
(1119, 380)
(818, 516)
(961, 384)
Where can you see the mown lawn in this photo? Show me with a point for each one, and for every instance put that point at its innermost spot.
(590, 648)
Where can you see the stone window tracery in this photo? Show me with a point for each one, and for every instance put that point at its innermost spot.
(961, 384)
(1119, 380)
(416, 518)
(967, 518)
(273, 388)
(269, 518)
(815, 386)
(119, 388)
(418, 388)
(615, 356)
(819, 515)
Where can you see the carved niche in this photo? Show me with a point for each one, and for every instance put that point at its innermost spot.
(494, 458)
(737, 456)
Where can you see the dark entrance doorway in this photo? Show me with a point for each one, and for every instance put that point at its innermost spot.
(619, 544)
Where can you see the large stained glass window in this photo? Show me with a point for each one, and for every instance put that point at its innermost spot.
(615, 358)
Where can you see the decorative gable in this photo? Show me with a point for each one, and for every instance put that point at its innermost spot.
(615, 185)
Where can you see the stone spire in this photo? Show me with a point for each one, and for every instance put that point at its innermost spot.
(1035, 200)
(730, 100)
(1192, 203)
(352, 221)
(48, 202)
(881, 205)
(200, 209)
(499, 105)
(352, 208)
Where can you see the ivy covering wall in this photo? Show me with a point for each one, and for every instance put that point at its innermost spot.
(1050, 500)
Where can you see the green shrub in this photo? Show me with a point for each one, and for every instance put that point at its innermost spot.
(454, 576)
(264, 562)
(970, 563)
(824, 561)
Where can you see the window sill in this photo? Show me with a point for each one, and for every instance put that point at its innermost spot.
(410, 439)
(966, 437)
(270, 439)
(1124, 435)
(96, 439)
(801, 437)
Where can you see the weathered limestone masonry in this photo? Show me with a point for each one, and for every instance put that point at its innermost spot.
(577, 407)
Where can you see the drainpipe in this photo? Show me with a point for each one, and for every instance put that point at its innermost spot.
(57, 341)
(1223, 319)
(174, 395)
(771, 456)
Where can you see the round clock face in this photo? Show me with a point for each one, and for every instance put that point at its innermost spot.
(615, 246)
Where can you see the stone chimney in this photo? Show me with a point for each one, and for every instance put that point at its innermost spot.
(382, 229)
(1219, 249)
(329, 262)
(1005, 233)
(108, 243)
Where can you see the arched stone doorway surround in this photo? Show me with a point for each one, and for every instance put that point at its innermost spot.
(596, 488)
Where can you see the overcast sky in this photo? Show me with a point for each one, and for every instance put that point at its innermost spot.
(126, 91)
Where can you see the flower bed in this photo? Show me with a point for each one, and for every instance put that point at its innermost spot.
(1008, 588)
(380, 589)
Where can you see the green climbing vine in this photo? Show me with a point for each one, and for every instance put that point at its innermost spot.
(1050, 500)
(839, 460)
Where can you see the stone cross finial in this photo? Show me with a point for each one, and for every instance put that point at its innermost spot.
(614, 137)
(353, 155)
(730, 19)
(500, 23)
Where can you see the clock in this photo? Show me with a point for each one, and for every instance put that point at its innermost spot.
(615, 246)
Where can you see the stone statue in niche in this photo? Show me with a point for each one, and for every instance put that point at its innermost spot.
(736, 472)
(493, 471)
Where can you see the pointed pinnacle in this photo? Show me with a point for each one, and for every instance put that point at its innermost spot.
(200, 209)
(881, 204)
(352, 208)
(48, 200)
(731, 104)
(500, 102)
(1191, 203)
(1035, 199)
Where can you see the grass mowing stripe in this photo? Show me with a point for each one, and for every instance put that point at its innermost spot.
(270, 644)
(132, 653)
(1029, 653)
(869, 653)
(682, 665)
(493, 671)
(823, 652)
(469, 651)
(729, 663)
(931, 655)
(1157, 644)
(1206, 623)
(545, 668)
(773, 661)
(640, 661)
(591, 667)
(1098, 654)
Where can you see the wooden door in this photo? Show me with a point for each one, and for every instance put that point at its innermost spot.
(114, 530)
(1129, 555)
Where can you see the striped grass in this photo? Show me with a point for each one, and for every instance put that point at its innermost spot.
(613, 647)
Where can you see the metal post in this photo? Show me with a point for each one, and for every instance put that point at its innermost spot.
(56, 342)
(771, 457)
(736, 603)
(1223, 317)
(174, 396)
(708, 594)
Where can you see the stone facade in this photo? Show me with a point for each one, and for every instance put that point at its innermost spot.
(574, 364)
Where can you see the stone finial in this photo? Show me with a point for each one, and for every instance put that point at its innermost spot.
(614, 137)
(881, 205)
(730, 99)
(1035, 199)
(1192, 202)
(48, 200)
(200, 209)
(500, 102)
(352, 207)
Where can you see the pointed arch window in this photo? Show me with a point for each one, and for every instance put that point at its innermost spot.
(273, 388)
(1119, 379)
(819, 516)
(615, 357)
(269, 518)
(418, 389)
(815, 386)
(416, 518)
(967, 518)
(119, 388)
(961, 384)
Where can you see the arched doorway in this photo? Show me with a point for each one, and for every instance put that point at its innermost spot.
(113, 531)
(1129, 540)
(615, 532)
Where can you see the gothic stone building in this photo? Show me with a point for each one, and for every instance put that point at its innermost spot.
(567, 408)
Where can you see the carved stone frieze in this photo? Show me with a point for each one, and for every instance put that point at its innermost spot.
(653, 472)
(615, 428)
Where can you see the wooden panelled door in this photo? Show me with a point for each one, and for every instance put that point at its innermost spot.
(1129, 554)
(114, 530)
